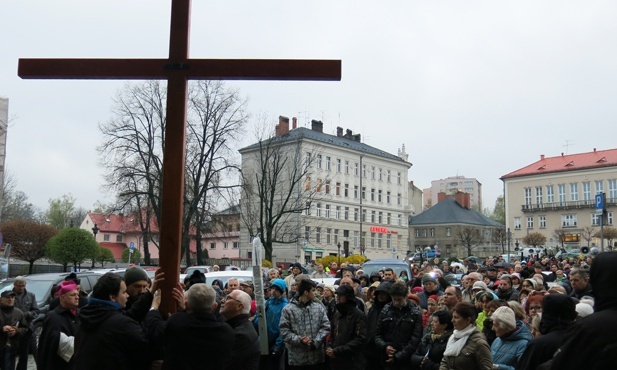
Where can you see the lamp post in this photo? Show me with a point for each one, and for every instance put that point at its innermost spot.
(516, 245)
(509, 236)
(338, 245)
(95, 230)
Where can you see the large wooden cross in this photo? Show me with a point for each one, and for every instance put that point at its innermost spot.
(177, 70)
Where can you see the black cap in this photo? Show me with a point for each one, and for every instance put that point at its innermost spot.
(8, 293)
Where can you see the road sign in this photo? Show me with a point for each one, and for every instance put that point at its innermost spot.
(599, 203)
(132, 246)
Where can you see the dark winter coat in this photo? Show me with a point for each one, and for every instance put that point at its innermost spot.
(107, 339)
(245, 351)
(423, 295)
(59, 320)
(14, 317)
(400, 328)
(26, 302)
(507, 295)
(192, 340)
(348, 338)
(432, 349)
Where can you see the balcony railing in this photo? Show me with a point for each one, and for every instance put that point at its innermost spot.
(559, 206)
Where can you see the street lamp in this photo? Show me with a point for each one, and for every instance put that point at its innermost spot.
(338, 245)
(516, 245)
(95, 230)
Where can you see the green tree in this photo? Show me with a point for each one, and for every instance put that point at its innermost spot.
(135, 256)
(60, 211)
(104, 256)
(534, 239)
(499, 211)
(27, 239)
(72, 245)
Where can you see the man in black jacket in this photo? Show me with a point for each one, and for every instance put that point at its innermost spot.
(382, 297)
(348, 334)
(26, 302)
(399, 329)
(245, 350)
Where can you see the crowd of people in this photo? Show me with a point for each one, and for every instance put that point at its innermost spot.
(541, 313)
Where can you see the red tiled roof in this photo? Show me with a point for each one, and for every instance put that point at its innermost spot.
(115, 248)
(120, 223)
(571, 162)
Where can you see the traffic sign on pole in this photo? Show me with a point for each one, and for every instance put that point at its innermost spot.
(600, 204)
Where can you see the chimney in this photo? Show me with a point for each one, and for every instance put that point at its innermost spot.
(317, 126)
(294, 122)
(339, 131)
(541, 157)
(283, 127)
(462, 199)
(594, 150)
(441, 196)
(348, 134)
(357, 137)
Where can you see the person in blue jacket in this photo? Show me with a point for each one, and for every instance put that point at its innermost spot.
(511, 341)
(274, 307)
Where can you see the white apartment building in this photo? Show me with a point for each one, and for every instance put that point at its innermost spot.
(558, 193)
(359, 200)
(452, 185)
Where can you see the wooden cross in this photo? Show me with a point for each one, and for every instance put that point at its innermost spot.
(177, 70)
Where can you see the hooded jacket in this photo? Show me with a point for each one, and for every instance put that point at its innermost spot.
(372, 317)
(274, 310)
(348, 337)
(400, 328)
(590, 342)
(298, 320)
(508, 350)
(108, 339)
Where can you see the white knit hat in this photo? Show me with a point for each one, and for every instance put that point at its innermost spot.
(584, 309)
(505, 315)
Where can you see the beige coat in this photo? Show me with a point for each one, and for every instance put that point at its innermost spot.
(475, 355)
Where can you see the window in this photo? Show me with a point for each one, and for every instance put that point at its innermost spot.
(400, 220)
(338, 165)
(599, 186)
(389, 241)
(398, 178)
(448, 231)
(373, 240)
(388, 218)
(212, 245)
(355, 214)
(398, 199)
(105, 237)
(236, 245)
(379, 240)
(327, 163)
(318, 161)
(380, 217)
(380, 174)
(364, 170)
(346, 192)
(118, 238)
(417, 233)
(609, 218)
(338, 213)
(346, 167)
(318, 214)
(327, 211)
(346, 213)
(595, 219)
(307, 211)
(586, 190)
(528, 197)
(424, 233)
(338, 188)
(388, 197)
(363, 192)
(318, 235)
(355, 191)
(388, 175)
(517, 223)
(539, 195)
(431, 232)
(373, 216)
(335, 236)
(574, 191)
(379, 196)
(355, 169)
(307, 233)
(561, 193)
(328, 236)
(373, 172)
(225, 245)
(542, 222)
(568, 220)
(327, 186)
(364, 215)
(550, 194)
(530, 222)
(356, 235)
(372, 195)
(612, 190)
(318, 185)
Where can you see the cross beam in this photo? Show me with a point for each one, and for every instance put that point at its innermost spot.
(177, 70)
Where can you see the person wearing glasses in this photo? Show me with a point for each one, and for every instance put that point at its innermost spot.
(304, 327)
(245, 350)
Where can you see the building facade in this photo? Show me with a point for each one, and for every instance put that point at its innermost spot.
(354, 197)
(555, 196)
(450, 186)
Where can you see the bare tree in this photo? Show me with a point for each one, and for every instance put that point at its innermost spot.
(534, 239)
(132, 151)
(500, 236)
(559, 234)
(14, 203)
(277, 187)
(610, 234)
(588, 234)
(470, 237)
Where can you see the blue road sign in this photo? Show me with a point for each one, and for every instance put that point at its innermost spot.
(132, 246)
(599, 203)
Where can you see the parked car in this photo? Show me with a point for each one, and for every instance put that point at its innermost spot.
(224, 276)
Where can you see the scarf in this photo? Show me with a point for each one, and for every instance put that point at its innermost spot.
(457, 341)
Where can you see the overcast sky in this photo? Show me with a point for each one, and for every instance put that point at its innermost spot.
(477, 89)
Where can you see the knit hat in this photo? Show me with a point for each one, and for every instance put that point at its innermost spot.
(533, 283)
(279, 284)
(384, 287)
(196, 277)
(427, 278)
(434, 297)
(479, 285)
(305, 285)
(134, 274)
(65, 287)
(413, 297)
(417, 289)
(330, 288)
(584, 309)
(505, 315)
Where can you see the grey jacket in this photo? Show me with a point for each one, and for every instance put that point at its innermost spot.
(26, 302)
(299, 320)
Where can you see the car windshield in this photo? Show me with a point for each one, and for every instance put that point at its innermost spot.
(40, 288)
(370, 268)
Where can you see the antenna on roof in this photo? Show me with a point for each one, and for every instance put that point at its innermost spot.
(568, 143)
